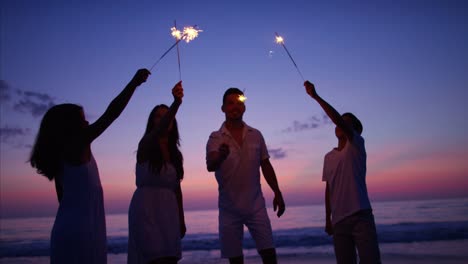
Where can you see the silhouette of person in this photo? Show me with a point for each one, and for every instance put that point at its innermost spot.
(349, 216)
(156, 216)
(235, 153)
(62, 152)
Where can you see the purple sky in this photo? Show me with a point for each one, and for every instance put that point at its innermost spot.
(400, 66)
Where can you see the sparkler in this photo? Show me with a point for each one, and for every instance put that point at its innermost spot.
(177, 35)
(242, 97)
(280, 41)
(188, 34)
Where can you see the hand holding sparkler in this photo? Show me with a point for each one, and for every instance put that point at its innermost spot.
(310, 89)
(215, 158)
(280, 41)
(178, 92)
(140, 77)
(223, 151)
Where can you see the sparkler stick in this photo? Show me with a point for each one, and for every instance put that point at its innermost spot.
(178, 54)
(280, 40)
(162, 56)
(188, 34)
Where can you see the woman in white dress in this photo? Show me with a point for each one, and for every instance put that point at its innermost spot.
(62, 152)
(156, 216)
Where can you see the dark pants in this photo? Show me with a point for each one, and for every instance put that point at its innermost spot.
(356, 231)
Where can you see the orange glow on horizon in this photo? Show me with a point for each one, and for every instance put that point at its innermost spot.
(393, 173)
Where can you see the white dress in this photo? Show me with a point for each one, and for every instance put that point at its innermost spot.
(79, 231)
(153, 218)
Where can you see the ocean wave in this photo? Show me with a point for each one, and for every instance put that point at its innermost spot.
(298, 237)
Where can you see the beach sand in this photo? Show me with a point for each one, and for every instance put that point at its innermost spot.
(435, 252)
(325, 259)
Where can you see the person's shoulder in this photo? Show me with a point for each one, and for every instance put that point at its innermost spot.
(215, 134)
(252, 129)
(255, 133)
(330, 153)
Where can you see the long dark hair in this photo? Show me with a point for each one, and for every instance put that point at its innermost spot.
(357, 125)
(58, 130)
(156, 158)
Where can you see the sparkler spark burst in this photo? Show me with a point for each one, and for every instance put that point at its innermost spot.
(188, 33)
(176, 33)
(242, 98)
(279, 40)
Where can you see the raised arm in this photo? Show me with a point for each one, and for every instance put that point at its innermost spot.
(116, 107)
(329, 110)
(270, 177)
(150, 139)
(177, 93)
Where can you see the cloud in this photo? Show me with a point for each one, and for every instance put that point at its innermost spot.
(39, 96)
(10, 132)
(312, 123)
(5, 91)
(25, 102)
(13, 136)
(32, 107)
(33, 103)
(277, 153)
(28, 102)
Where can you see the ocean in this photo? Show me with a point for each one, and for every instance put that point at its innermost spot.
(434, 228)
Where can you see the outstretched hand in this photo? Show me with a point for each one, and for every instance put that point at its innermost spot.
(310, 89)
(278, 203)
(223, 151)
(140, 76)
(178, 92)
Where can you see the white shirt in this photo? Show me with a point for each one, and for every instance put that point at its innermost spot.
(238, 176)
(345, 173)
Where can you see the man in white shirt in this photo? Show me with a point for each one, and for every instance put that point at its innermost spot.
(235, 153)
(348, 210)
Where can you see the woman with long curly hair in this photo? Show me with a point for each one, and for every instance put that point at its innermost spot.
(62, 153)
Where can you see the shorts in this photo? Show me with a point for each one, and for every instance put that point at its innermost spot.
(231, 231)
(356, 231)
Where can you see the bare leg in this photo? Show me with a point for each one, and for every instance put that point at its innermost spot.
(268, 256)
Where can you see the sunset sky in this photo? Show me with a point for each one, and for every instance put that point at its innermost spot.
(400, 66)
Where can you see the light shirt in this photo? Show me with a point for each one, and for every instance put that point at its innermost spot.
(238, 176)
(345, 173)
